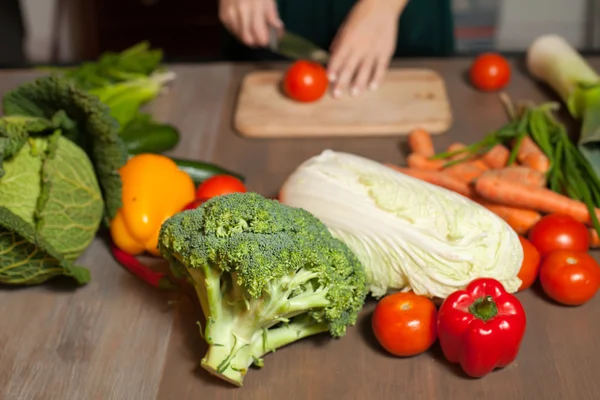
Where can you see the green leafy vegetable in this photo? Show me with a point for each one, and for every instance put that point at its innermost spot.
(83, 119)
(123, 81)
(50, 184)
(125, 99)
(144, 135)
(50, 209)
(409, 235)
(27, 259)
(135, 62)
(14, 131)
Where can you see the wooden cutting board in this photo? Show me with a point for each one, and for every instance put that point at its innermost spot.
(407, 99)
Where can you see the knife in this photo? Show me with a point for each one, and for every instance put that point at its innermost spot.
(296, 47)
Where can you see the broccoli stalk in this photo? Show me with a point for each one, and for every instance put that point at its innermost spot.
(241, 330)
(265, 274)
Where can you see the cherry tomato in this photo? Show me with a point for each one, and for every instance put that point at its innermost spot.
(405, 324)
(490, 72)
(305, 81)
(570, 277)
(531, 264)
(219, 185)
(559, 232)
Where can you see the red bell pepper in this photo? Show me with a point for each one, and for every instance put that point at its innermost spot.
(481, 327)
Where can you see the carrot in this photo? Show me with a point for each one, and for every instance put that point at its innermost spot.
(515, 194)
(496, 157)
(456, 147)
(519, 174)
(537, 161)
(594, 239)
(420, 142)
(466, 171)
(479, 163)
(520, 219)
(419, 161)
(531, 155)
(438, 178)
(527, 146)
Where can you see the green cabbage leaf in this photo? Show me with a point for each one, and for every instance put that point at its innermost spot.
(59, 160)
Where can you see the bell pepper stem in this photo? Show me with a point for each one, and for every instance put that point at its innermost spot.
(484, 308)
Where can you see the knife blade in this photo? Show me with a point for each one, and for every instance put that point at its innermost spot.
(296, 47)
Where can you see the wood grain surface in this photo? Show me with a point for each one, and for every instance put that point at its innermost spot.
(407, 99)
(116, 339)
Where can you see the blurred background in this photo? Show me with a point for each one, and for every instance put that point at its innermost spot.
(68, 31)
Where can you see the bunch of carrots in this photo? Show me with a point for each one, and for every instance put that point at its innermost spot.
(515, 191)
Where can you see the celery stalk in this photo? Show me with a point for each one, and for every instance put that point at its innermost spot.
(552, 60)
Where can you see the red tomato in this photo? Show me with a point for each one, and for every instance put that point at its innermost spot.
(194, 204)
(570, 277)
(490, 72)
(219, 185)
(405, 324)
(305, 81)
(559, 232)
(531, 264)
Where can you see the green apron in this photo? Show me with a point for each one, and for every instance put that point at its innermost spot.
(425, 28)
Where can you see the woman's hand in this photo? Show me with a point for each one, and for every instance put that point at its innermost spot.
(364, 45)
(250, 20)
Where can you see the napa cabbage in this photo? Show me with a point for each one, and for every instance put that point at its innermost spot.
(409, 234)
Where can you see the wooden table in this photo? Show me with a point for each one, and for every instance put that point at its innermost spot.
(117, 339)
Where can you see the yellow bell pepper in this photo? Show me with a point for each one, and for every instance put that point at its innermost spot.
(154, 189)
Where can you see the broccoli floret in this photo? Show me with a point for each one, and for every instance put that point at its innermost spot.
(266, 275)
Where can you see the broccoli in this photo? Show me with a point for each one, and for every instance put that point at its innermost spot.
(266, 275)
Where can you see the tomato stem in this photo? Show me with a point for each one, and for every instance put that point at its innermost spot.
(484, 308)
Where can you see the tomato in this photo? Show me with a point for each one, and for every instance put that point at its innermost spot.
(570, 277)
(218, 185)
(530, 266)
(405, 324)
(490, 72)
(194, 204)
(305, 81)
(559, 232)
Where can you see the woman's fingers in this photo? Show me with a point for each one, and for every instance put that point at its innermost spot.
(355, 70)
(363, 46)
(339, 58)
(379, 68)
(363, 75)
(260, 29)
(272, 15)
(246, 13)
(229, 17)
(249, 20)
(346, 74)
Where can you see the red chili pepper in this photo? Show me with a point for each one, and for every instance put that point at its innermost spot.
(132, 264)
(481, 327)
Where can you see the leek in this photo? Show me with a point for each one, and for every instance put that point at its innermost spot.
(553, 61)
